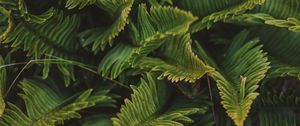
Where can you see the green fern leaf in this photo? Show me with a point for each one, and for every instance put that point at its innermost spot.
(2, 86)
(56, 37)
(261, 18)
(7, 14)
(279, 118)
(178, 62)
(19, 10)
(225, 14)
(167, 22)
(45, 106)
(279, 69)
(280, 9)
(204, 8)
(155, 28)
(143, 108)
(243, 70)
(240, 8)
(276, 105)
(270, 13)
(97, 120)
(119, 11)
(82, 3)
(287, 52)
(115, 61)
(53, 37)
(22, 8)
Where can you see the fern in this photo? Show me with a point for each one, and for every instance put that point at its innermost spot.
(281, 118)
(167, 21)
(205, 7)
(45, 106)
(143, 109)
(179, 63)
(244, 69)
(248, 48)
(74, 3)
(237, 9)
(277, 49)
(119, 11)
(97, 120)
(280, 9)
(261, 18)
(7, 14)
(55, 37)
(2, 86)
(114, 63)
(150, 38)
(279, 69)
(61, 37)
(243, 6)
(21, 11)
(277, 106)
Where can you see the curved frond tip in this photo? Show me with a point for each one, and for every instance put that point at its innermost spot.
(243, 70)
(145, 104)
(178, 62)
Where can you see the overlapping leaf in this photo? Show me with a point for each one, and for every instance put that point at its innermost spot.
(277, 106)
(2, 85)
(221, 10)
(279, 69)
(154, 29)
(119, 10)
(5, 15)
(81, 3)
(145, 104)
(46, 106)
(56, 37)
(238, 81)
(19, 10)
(178, 61)
(283, 46)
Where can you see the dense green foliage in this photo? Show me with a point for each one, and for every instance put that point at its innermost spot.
(149, 62)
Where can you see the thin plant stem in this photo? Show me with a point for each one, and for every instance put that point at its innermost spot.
(57, 60)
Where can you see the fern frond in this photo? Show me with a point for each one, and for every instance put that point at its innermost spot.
(279, 118)
(53, 37)
(275, 13)
(280, 9)
(19, 10)
(237, 9)
(45, 106)
(226, 13)
(116, 60)
(81, 3)
(167, 22)
(279, 69)
(155, 28)
(97, 120)
(287, 53)
(178, 61)
(204, 8)
(261, 18)
(22, 9)
(119, 11)
(7, 14)
(2, 86)
(277, 106)
(242, 70)
(281, 44)
(56, 37)
(160, 2)
(143, 108)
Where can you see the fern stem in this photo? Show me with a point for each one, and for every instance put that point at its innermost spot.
(26, 65)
